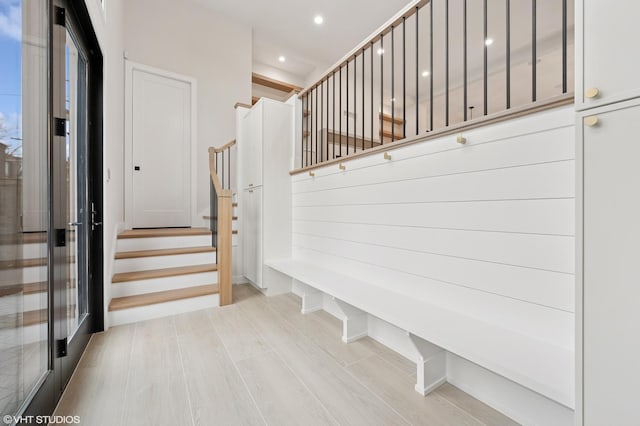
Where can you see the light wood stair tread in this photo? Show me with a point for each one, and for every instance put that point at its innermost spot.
(163, 232)
(39, 316)
(162, 297)
(389, 118)
(162, 273)
(234, 232)
(215, 217)
(163, 252)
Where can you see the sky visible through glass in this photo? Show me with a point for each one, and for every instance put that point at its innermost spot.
(10, 75)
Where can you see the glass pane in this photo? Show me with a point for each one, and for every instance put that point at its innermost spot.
(77, 211)
(23, 201)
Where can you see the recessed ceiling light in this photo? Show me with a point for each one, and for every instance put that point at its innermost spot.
(425, 73)
(380, 51)
(488, 42)
(282, 58)
(318, 19)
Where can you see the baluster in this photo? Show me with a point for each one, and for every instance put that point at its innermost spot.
(393, 85)
(418, 71)
(333, 127)
(404, 75)
(464, 60)
(431, 66)
(347, 81)
(362, 99)
(340, 110)
(486, 51)
(381, 88)
(534, 47)
(564, 46)
(371, 123)
(446, 63)
(508, 52)
(321, 121)
(355, 103)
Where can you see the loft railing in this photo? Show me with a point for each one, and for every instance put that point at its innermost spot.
(439, 64)
(221, 216)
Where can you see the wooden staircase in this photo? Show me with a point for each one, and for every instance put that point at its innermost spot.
(161, 272)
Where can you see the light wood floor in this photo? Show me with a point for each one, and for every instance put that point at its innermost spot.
(258, 361)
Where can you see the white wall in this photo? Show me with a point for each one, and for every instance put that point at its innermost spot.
(190, 39)
(486, 228)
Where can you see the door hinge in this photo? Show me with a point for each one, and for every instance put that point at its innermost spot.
(60, 18)
(61, 348)
(60, 127)
(61, 237)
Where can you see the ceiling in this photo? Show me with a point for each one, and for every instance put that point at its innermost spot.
(286, 27)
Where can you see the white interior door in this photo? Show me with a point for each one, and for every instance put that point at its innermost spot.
(161, 151)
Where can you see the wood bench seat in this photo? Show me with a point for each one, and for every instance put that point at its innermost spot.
(538, 365)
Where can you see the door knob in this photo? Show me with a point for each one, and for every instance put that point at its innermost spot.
(592, 92)
(591, 121)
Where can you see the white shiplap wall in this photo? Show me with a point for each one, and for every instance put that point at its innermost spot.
(485, 228)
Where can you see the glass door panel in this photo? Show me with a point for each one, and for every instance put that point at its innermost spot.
(24, 212)
(77, 209)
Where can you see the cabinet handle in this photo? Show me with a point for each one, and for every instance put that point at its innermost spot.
(250, 184)
(592, 92)
(591, 121)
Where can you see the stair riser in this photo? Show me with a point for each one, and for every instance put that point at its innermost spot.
(23, 251)
(132, 288)
(24, 335)
(34, 301)
(32, 274)
(159, 262)
(159, 310)
(131, 244)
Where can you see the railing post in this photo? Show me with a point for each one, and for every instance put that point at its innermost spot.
(224, 247)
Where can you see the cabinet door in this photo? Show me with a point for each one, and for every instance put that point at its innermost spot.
(252, 234)
(253, 169)
(611, 284)
(610, 60)
(249, 237)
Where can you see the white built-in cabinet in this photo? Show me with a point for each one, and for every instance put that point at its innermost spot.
(607, 47)
(265, 153)
(608, 213)
(610, 292)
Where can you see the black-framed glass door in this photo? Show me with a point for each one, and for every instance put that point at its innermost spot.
(50, 199)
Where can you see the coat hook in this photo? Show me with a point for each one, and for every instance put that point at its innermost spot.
(342, 166)
(462, 139)
(387, 156)
(312, 174)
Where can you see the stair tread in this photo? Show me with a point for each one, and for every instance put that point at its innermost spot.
(163, 232)
(163, 252)
(206, 217)
(127, 302)
(162, 273)
(234, 232)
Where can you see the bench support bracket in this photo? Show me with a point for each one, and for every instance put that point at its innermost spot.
(431, 364)
(311, 298)
(355, 323)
